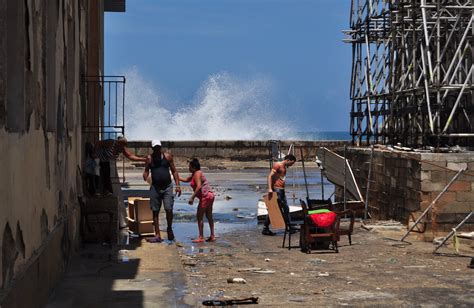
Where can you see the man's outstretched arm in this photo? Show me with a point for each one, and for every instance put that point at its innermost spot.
(133, 157)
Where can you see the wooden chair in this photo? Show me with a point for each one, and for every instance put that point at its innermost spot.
(343, 230)
(290, 228)
(311, 235)
(338, 208)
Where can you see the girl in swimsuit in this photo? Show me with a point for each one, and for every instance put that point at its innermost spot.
(201, 190)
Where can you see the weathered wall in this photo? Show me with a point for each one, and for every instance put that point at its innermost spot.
(404, 183)
(41, 59)
(436, 172)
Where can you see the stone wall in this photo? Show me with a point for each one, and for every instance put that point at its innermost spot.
(406, 182)
(235, 150)
(436, 172)
(43, 53)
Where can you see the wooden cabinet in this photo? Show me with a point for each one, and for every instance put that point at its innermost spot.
(140, 216)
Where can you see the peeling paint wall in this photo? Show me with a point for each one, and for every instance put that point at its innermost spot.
(43, 53)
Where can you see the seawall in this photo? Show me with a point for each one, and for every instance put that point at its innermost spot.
(234, 150)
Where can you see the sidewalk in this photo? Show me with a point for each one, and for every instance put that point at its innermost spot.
(138, 275)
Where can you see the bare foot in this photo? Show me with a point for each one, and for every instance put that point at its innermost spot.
(154, 240)
(211, 239)
(198, 240)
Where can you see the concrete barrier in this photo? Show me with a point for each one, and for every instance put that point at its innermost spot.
(236, 150)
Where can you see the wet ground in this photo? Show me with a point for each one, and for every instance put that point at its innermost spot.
(237, 195)
(373, 271)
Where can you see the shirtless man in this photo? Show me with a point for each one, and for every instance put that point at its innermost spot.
(276, 183)
(161, 190)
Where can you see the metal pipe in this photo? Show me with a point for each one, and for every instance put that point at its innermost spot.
(368, 183)
(304, 175)
(450, 118)
(345, 167)
(453, 231)
(433, 203)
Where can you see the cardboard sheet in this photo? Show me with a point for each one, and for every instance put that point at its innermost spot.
(276, 219)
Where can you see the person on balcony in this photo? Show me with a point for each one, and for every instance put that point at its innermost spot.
(108, 151)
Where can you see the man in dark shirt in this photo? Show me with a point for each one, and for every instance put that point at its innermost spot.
(161, 190)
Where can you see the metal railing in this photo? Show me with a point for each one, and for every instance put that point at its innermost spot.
(104, 110)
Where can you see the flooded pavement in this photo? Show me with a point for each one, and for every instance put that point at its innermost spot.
(237, 195)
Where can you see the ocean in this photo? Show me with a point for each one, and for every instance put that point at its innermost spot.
(329, 135)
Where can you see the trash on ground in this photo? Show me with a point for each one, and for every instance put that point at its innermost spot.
(236, 280)
(438, 240)
(264, 272)
(323, 274)
(414, 266)
(227, 197)
(383, 225)
(316, 261)
(198, 275)
(468, 235)
(298, 299)
(231, 302)
(249, 269)
(190, 263)
(245, 216)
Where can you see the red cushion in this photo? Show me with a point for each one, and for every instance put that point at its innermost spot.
(323, 220)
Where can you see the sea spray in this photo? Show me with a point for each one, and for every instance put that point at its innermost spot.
(224, 108)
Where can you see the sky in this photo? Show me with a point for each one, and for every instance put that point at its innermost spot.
(289, 52)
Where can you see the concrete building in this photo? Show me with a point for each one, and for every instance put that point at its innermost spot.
(46, 48)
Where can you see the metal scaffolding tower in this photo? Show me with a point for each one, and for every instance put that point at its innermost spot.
(412, 72)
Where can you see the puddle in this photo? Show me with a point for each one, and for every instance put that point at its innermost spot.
(193, 250)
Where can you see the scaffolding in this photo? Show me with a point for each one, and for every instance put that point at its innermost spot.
(412, 76)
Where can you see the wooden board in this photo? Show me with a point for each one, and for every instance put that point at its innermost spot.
(276, 220)
(334, 166)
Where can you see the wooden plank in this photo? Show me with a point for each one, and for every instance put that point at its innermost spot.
(276, 219)
(334, 170)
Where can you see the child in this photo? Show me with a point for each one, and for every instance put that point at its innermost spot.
(201, 190)
(92, 170)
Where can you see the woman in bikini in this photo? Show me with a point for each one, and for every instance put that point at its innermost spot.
(201, 190)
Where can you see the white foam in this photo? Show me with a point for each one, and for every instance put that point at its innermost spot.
(224, 108)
